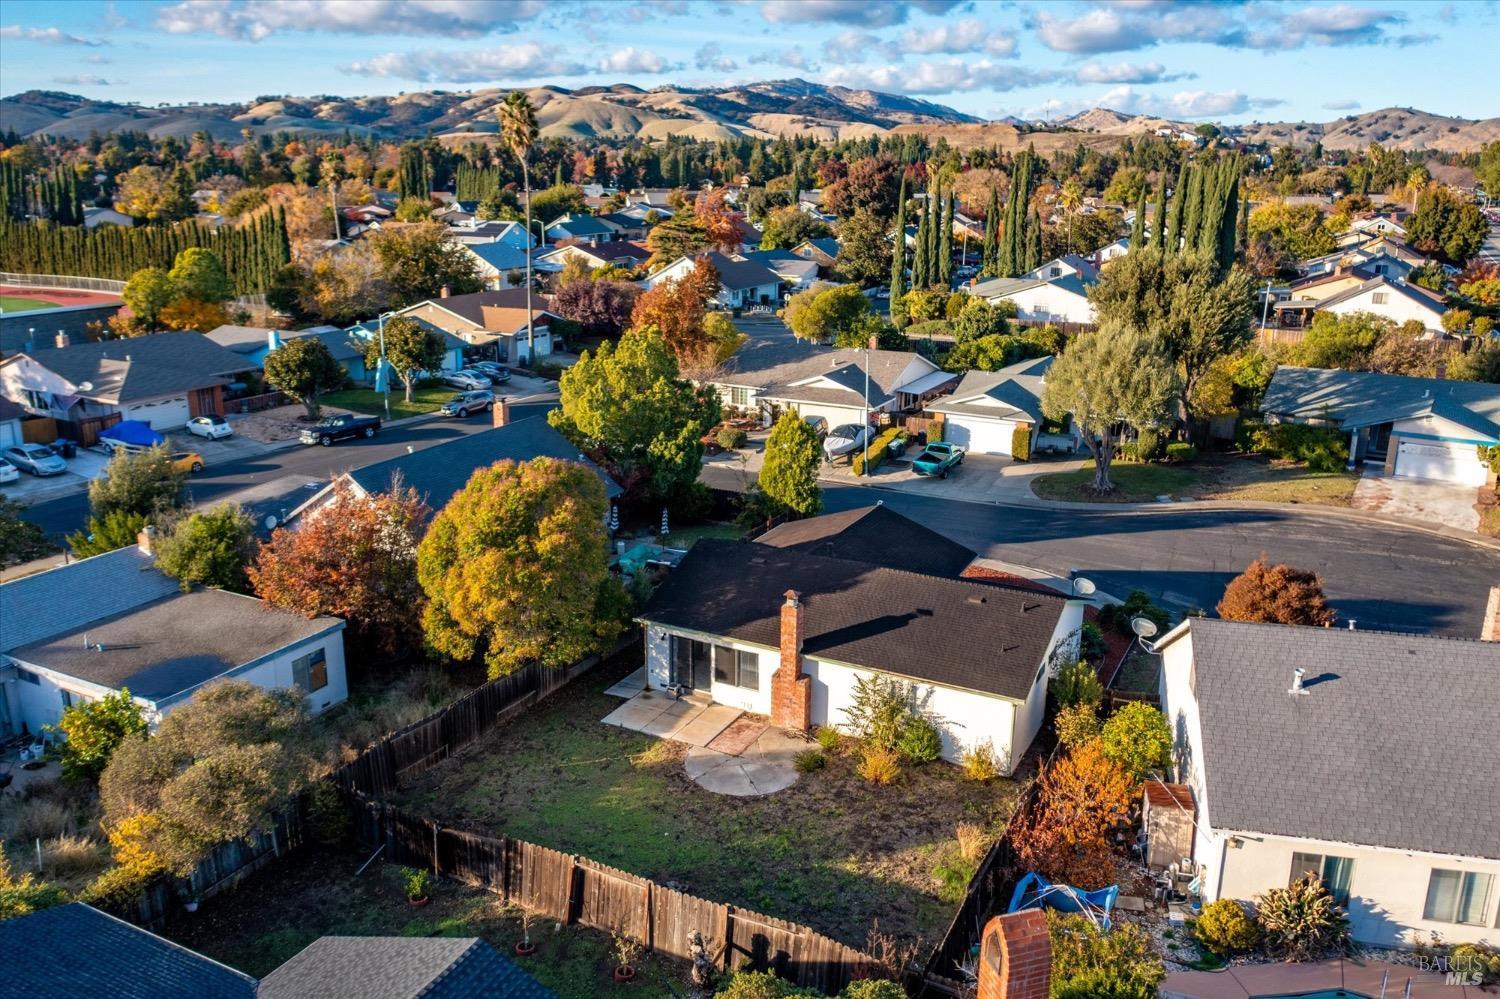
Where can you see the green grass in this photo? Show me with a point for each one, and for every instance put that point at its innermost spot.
(14, 303)
(1246, 478)
(832, 851)
(684, 537)
(1133, 484)
(425, 399)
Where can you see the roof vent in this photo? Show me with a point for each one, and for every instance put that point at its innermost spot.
(1027, 607)
(757, 560)
(1296, 689)
(975, 600)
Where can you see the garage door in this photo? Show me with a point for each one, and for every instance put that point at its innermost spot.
(164, 414)
(1449, 462)
(979, 435)
(10, 433)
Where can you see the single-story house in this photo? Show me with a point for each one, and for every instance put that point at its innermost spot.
(583, 228)
(824, 250)
(874, 534)
(626, 224)
(496, 262)
(36, 329)
(986, 407)
(786, 633)
(438, 472)
(1066, 265)
(659, 198)
(110, 957)
(794, 271)
(164, 379)
(347, 347)
(253, 343)
(618, 253)
(94, 216)
(1335, 752)
(83, 630)
(1421, 428)
(831, 383)
(494, 321)
(510, 233)
(1390, 299)
(742, 283)
(11, 415)
(1060, 300)
(1109, 251)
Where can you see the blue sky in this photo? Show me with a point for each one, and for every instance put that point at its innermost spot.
(1240, 61)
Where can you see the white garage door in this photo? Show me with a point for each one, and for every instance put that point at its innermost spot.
(10, 433)
(1440, 460)
(979, 435)
(162, 414)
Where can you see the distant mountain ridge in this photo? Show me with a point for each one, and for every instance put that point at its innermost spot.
(793, 107)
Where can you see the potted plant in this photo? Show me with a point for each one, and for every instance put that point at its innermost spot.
(627, 952)
(524, 946)
(417, 884)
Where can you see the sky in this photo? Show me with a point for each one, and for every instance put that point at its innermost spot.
(1257, 60)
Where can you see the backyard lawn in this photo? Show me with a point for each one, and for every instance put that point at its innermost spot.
(425, 399)
(685, 536)
(1219, 477)
(15, 303)
(314, 893)
(832, 851)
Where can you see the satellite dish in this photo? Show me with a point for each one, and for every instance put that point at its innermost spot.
(271, 522)
(1144, 627)
(85, 386)
(1083, 587)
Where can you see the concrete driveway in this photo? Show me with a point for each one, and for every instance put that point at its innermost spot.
(1418, 499)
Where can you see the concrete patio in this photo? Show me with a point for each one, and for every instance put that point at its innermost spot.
(693, 719)
(1357, 978)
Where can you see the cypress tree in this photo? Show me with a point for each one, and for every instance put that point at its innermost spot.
(898, 251)
(990, 252)
(934, 233)
(1233, 214)
(1179, 203)
(919, 262)
(1138, 229)
(1244, 227)
(1192, 214)
(1160, 222)
(1033, 243)
(945, 243)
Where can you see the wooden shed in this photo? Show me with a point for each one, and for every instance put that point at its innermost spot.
(1167, 817)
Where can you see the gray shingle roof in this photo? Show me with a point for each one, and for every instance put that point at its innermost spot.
(143, 367)
(874, 534)
(240, 339)
(1394, 745)
(1418, 295)
(76, 950)
(1362, 398)
(738, 274)
(58, 600)
(774, 366)
(972, 635)
(1019, 387)
(400, 968)
(173, 643)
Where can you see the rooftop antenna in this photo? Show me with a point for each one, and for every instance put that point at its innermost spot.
(1296, 689)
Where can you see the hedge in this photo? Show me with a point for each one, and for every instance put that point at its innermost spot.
(1181, 451)
(877, 451)
(1020, 442)
(1323, 449)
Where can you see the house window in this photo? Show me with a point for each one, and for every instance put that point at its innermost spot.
(739, 397)
(736, 668)
(35, 399)
(1380, 297)
(67, 697)
(310, 672)
(1334, 872)
(1056, 271)
(690, 662)
(1458, 897)
(27, 676)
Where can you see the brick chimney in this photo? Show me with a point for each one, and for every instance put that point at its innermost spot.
(1442, 371)
(1491, 630)
(62, 339)
(791, 690)
(144, 540)
(444, 291)
(1015, 957)
(874, 342)
(500, 412)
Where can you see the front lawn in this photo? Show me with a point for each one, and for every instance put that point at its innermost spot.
(424, 399)
(1247, 478)
(314, 893)
(832, 851)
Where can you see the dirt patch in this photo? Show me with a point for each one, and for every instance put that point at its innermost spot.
(283, 423)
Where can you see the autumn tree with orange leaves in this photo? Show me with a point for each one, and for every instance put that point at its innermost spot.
(677, 309)
(1278, 594)
(355, 558)
(719, 221)
(1067, 837)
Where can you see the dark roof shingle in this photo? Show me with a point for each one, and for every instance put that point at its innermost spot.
(875, 534)
(400, 968)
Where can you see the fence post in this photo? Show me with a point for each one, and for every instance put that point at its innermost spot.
(572, 884)
(435, 865)
(728, 936)
(505, 868)
(648, 937)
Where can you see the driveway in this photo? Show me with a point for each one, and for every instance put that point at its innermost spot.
(1425, 500)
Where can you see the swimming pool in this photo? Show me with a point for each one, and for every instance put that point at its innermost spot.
(1329, 994)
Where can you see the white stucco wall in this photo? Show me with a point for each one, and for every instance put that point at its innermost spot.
(1397, 307)
(1048, 303)
(659, 669)
(275, 672)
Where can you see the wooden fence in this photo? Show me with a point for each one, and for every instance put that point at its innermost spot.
(575, 890)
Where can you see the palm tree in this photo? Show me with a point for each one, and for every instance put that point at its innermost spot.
(1071, 199)
(518, 131)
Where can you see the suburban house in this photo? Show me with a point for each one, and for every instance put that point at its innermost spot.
(11, 415)
(490, 319)
(110, 957)
(742, 283)
(1422, 428)
(1110, 251)
(512, 234)
(18, 328)
(1061, 300)
(352, 341)
(825, 251)
(1380, 255)
(440, 471)
(582, 228)
(816, 381)
(253, 343)
(987, 407)
(785, 631)
(164, 379)
(94, 216)
(83, 630)
(1379, 225)
(1066, 265)
(795, 272)
(496, 262)
(618, 253)
(627, 223)
(1390, 299)
(1324, 750)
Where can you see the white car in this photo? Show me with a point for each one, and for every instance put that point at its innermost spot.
(211, 426)
(846, 438)
(466, 380)
(8, 472)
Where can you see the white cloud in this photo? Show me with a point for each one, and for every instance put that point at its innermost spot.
(1139, 24)
(851, 46)
(710, 56)
(1337, 25)
(84, 80)
(1346, 105)
(1185, 103)
(957, 38)
(792, 58)
(1127, 72)
(512, 63)
(257, 19)
(634, 60)
(941, 77)
(867, 13)
(49, 36)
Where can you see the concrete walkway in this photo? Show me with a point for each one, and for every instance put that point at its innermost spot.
(1275, 980)
(693, 719)
(767, 766)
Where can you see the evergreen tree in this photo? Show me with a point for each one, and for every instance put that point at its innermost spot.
(1243, 235)
(1192, 213)
(898, 251)
(989, 261)
(1179, 202)
(945, 243)
(1138, 228)
(1034, 243)
(919, 264)
(1159, 237)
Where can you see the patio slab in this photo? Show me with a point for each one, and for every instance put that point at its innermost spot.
(627, 688)
(706, 726)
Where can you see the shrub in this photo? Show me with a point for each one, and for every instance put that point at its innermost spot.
(327, 817)
(1489, 454)
(1138, 738)
(878, 451)
(980, 763)
(1148, 444)
(972, 841)
(879, 766)
(1020, 442)
(1225, 928)
(1302, 922)
(732, 438)
(919, 741)
(1091, 644)
(1116, 617)
(1076, 683)
(1181, 451)
(40, 818)
(117, 887)
(1077, 724)
(93, 730)
(1278, 594)
(761, 985)
(873, 988)
(416, 881)
(879, 709)
(1475, 957)
(810, 760)
(1089, 963)
(935, 429)
(68, 855)
(1322, 449)
(23, 895)
(829, 738)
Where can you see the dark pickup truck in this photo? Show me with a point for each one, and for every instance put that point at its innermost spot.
(339, 428)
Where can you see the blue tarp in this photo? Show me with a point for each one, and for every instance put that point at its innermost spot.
(134, 432)
(1035, 891)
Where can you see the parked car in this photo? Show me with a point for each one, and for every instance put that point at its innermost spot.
(498, 374)
(819, 425)
(478, 401)
(36, 459)
(846, 438)
(187, 461)
(8, 472)
(340, 428)
(210, 425)
(938, 458)
(465, 379)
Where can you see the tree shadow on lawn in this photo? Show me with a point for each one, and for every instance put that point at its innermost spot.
(832, 852)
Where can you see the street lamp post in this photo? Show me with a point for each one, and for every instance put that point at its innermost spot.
(382, 372)
(867, 411)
